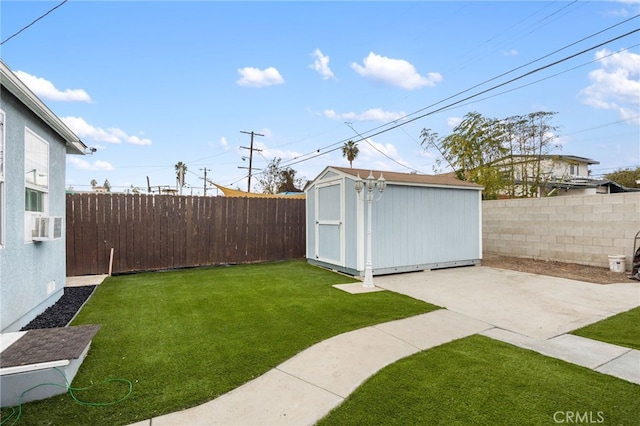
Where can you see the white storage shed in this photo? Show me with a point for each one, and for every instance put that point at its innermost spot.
(419, 222)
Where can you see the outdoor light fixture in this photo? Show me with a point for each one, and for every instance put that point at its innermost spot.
(370, 184)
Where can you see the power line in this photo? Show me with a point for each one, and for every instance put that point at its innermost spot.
(374, 147)
(316, 153)
(34, 21)
(251, 149)
(205, 180)
(604, 125)
(448, 106)
(519, 25)
(522, 66)
(547, 78)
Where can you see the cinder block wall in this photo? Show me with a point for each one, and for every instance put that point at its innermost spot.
(581, 229)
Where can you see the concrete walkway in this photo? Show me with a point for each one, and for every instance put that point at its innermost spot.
(85, 280)
(530, 311)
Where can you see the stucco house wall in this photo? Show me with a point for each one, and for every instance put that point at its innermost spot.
(32, 274)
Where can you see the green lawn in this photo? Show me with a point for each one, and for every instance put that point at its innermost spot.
(186, 337)
(480, 381)
(622, 329)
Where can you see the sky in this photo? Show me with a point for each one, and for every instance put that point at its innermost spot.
(152, 83)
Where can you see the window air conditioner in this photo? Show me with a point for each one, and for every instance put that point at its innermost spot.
(47, 228)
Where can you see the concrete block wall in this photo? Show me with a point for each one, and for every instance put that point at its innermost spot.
(582, 229)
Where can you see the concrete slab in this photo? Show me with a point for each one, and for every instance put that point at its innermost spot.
(574, 349)
(626, 367)
(582, 351)
(532, 305)
(434, 328)
(84, 280)
(275, 398)
(511, 338)
(341, 363)
(356, 288)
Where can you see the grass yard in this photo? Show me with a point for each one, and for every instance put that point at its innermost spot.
(480, 381)
(621, 329)
(186, 337)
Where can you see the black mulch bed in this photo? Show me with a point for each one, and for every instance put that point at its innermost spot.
(64, 310)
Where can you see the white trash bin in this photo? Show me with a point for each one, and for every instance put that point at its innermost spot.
(617, 263)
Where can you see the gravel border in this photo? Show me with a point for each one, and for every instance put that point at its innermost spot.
(64, 310)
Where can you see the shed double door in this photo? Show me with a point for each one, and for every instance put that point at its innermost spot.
(329, 227)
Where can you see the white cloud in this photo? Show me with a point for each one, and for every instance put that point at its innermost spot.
(396, 72)
(373, 149)
(81, 164)
(134, 140)
(512, 52)
(46, 90)
(112, 135)
(624, 11)
(269, 154)
(321, 65)
(615, 86)
(224, 143)
(375, 114)
(379, 156)
(453, 121)
(618, 13)
(254, 77)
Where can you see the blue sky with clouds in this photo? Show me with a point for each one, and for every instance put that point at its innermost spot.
(151, 83)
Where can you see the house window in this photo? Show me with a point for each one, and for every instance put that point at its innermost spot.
(572, 170)
(36, 171)
(1, 178)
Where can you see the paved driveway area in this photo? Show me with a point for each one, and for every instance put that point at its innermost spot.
(532, 305)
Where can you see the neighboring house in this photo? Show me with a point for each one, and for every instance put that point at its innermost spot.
(546, 175)
(33, 147)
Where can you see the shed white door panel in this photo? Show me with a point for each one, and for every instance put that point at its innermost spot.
(329, 223)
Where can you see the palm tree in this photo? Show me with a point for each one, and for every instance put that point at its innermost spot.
(181, 169)
(350, 150)
(94, 183)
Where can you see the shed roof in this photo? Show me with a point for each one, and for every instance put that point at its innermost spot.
(410, 178)
(14, 85)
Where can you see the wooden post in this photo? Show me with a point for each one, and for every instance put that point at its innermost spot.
(111, 261)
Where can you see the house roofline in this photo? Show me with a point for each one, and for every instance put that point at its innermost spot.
(553, 157)
(15, 86)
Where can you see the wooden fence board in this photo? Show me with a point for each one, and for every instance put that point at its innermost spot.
(155, 232)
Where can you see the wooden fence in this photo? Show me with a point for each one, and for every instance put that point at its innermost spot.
(154, 232)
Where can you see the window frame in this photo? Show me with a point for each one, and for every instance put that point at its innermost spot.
(42, 190)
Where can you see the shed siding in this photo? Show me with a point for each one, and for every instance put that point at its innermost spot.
(353, 241)
(418, 226)
(415, 225)
(310, 201)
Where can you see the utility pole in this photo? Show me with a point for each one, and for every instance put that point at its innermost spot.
(205, 180)
(251, 149)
